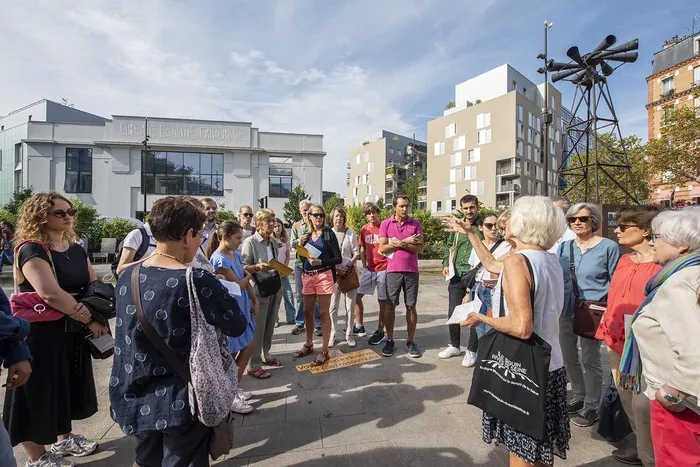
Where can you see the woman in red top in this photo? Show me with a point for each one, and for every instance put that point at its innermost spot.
(625, 295)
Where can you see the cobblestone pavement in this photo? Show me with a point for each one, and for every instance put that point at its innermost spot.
(391, 411)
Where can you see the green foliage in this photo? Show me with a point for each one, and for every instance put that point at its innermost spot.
(10, 212)
(223, 215)
(116, 228)
(675, 157)
(88, 224)
(7, 216)
(291, 207)
(331, 203)
(412, 184)
(450, 105)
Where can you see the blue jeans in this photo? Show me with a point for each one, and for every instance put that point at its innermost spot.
(299, 318)
(484, 294)
(7, 457)
(288, 297)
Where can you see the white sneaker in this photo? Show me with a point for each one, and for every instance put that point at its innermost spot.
(241, 406)
(244, 395)
(331, 342)
(351, 342)
(469, 359)
(450, 352)
(49, 459)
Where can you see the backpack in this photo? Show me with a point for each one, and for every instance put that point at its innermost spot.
(143, 248)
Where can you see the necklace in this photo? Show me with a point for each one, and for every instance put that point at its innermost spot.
(166, 255)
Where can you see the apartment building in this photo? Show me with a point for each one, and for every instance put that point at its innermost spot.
(380, 167)
(490, 144)
(675, 81)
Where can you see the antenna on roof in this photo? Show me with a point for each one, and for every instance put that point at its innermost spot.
(64, 101)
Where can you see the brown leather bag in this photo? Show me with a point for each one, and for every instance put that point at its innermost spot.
(587, 313)
(347, 281)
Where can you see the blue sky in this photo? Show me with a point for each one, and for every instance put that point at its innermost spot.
(341, 69)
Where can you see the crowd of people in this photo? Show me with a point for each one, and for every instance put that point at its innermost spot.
(543, 275)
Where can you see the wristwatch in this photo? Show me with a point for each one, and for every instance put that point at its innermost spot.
(670, 398)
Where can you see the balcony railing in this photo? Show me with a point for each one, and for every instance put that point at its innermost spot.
(508, 170)
(668, 93)
(509, 188)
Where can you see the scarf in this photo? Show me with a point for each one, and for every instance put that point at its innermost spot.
(631, 363)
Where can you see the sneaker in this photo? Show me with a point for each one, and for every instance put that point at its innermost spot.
(469, 359)
(241, 406)
(75, 445)
(359, 331)
(377, 338)
(351, 342)
(49, 459)
(450, 352)
(627, 456)
(413, 350)
(573, 407)
(585, 417)
(388, 349)
(331, 342)
(298, 329)
(319, 332)
(244, 395)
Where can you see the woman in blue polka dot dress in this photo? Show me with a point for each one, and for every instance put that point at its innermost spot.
(222, 250)
(148, 399)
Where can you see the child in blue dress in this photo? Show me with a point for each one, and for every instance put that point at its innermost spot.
(227, 262)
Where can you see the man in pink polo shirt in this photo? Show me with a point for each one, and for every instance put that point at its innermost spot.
(400, 240)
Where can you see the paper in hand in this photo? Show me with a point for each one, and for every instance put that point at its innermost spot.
(280, 268)
(233, 288)
(303, 252)
(461, 312)
(313, 251)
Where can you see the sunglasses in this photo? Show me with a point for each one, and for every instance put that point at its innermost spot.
(489, 225)
(583, 219)
(61, 213)
(624, 227)
(247, 214)
(318, 215)
(655, 236)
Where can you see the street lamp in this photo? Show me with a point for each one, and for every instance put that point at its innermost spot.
(546, 115)
(146, 148)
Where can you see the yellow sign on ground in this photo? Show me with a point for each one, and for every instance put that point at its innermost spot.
(340, 360)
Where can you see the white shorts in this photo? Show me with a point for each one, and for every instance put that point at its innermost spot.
(369, 281)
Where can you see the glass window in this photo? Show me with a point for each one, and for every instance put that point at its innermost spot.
(188, 173)
(667, 86)
(78, 170)
(281, 187)
(280, 181)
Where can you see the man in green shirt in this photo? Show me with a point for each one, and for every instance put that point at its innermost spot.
(456, 272)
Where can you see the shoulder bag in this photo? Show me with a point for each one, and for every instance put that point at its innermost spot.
(29, 305)
(470, 276)
(510, 376)
(268, 283)
(348, 280)
(210, 373)
(587, 313)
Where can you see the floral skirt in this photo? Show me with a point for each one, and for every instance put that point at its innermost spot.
(557, 427)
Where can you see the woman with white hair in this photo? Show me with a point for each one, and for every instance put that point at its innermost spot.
(661, 345)
(588, 262)
(534, 226)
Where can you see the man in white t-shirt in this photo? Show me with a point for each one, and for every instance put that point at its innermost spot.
(563, 203)
(245, 218)
(133, 244)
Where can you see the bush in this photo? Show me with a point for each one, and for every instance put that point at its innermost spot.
(7, 216)
(223, 215)
(88, 224)
(432, 250)
(116, 228)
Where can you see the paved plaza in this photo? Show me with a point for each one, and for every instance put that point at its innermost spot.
(391, 411)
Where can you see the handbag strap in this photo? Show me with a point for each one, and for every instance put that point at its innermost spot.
(16, 261)
(491, 250)
(532, 291)
(572, 268)
(165, 350)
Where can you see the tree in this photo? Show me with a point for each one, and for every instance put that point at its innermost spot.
(609, 151)
(291, 207)
(116, 228)
(450, 105)
(88, 224)
(10, 212)
(675, 156)
(331, 203)
(412, 184)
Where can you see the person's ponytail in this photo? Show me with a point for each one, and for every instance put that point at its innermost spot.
(213, 244)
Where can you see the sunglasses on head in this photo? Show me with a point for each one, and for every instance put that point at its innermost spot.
(489, 225)
(583, 219)
(318, 215)
(624, 227)
(60, 213)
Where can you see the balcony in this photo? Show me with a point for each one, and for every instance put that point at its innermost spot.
(504, 201)
(509, 188)
(510, 168)
(668, 93)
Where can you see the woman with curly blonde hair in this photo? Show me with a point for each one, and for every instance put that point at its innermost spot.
(62, 386)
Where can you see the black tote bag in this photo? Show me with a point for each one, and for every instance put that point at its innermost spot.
(613, 424)
(510, 377)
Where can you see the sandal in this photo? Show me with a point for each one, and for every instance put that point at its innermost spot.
(320, 359)
(259, 373)
(273, 362)
(304, 351)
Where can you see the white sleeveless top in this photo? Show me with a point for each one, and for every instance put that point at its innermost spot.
(549, 300)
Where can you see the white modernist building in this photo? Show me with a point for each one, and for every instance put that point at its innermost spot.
(103, 162)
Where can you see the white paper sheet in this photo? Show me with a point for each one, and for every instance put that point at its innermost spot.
(233, 288)
(461, 312)
(315, 252)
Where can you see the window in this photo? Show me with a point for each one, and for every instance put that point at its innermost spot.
(520, 112)
(366, 156)
(470, 172)
(540, 173)
(357, 159)
(454, 175)
(0, 158)
(667, 114)
(450, 130)
(520, 148)
(696, 76)
(391, 151)
(530, 119)
(477, 187)
(369, 189)
(552, 147)
(667, 86)
(439, 148)
(527, 168)
(474, 155)
(78, 170)
(366, 178)
(483, 136)
(439, 205)
(538, 140)
(538, 188)
(530, 135)
(459, 143)
(357, 180)
(355, 192)
(521, 131)
(456, 159)
(515, 85)
(453, 191)
(453, 204)
(19, 161)
(557, 136)
(483, 120)
(552, 103)
(370, 166)
(554, 163)
(538, 156)
(696, 102)
(193, 173)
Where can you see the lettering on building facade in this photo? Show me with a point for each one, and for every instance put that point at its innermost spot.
(182, 132)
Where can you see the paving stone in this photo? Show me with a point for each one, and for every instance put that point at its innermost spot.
(313, 458)
(269, 439)
(323, 403)
(373, 454)
(353, 429)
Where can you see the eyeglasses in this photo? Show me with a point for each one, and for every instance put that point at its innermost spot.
(655, 236)
(318, 215)
(583, 219)
(489, 225)
(61, 213)
(624, 227)
(247, 214)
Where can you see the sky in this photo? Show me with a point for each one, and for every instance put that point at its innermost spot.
(345, 70)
